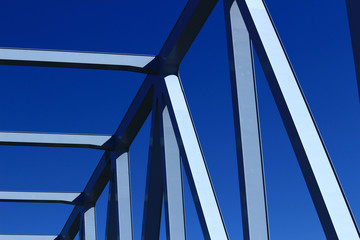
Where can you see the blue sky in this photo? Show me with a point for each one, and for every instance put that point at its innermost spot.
(315, 35)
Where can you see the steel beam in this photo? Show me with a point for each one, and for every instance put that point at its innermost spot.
(56, 140)
(184, 32)
(91, 193)
(154, 179)
(199, 180)
(88, 223)
(136, 115)
(27, 237)
(112, 229)
(125, 134)
(173, 184)
(41, 197)
(353, 10)
(328, 197)
(119, 221)
(68, 59)
(247, 128)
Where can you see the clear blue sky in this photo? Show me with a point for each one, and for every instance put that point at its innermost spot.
(316, 37)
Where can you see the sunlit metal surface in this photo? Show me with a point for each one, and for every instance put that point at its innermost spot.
(247, 129)
(27, 237)
(67, 59)
(50, 197)
(55, 140)
(174, 142)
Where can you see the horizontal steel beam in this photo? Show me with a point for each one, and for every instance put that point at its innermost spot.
(27, 237)
(41, 197)
(68, 59)
(185, 31)
(55, 140)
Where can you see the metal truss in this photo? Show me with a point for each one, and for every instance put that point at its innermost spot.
(174, 142)
(353, 7)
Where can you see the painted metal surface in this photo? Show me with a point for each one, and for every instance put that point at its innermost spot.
(88, 223)
(68, 59)
(121, 193)
(27, 237)
(154, 179)
(173, 136)
(200, 184)
(55, 140)
(247, 128)
(353, 9)
(173, 184)
(44, 197)
(184, 33)
(325, 189)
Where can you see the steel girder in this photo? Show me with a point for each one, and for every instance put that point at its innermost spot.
(353, 8)
(174, 142)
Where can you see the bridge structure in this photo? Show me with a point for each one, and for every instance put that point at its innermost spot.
(174, 141)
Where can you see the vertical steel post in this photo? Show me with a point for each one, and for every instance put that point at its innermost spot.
(173, 184)
(154, 179)
(88, 223)
(112, 229)
(328, 197)
(199, 180)
(119, 222)
(247, 130)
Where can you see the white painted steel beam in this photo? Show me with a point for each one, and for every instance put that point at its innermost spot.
(45, 197)
(173, 184)
(200, 184)
(27, 237)
(324, 186)
(119, 220)
(56, 140)
(88, 223)
(247, 128)
(72, 59)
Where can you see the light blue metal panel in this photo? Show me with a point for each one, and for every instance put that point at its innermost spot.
(55, 197)
(27, 237)
(201, 187)
(247, 130)
(122, 195)
(72, 59)
(173, 185)
(55, 140)
(88, 224)
(328, 197)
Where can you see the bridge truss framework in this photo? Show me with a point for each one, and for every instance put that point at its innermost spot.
(174, 139)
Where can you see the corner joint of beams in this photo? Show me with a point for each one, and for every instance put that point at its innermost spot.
(113, 155)
(164, 66)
